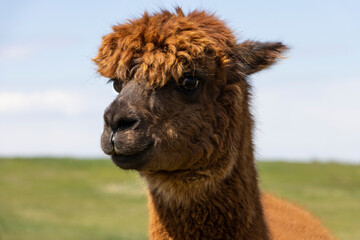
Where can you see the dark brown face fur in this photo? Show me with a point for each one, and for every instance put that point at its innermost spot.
(174, 127)
(154, 124)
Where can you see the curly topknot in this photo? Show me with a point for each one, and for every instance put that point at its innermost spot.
(163, 45)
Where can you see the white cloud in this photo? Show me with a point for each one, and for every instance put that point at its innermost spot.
(53, 122)
(50, 101)
(57, 136)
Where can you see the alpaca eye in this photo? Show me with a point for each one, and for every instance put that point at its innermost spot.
(117, 85)
(189, 84)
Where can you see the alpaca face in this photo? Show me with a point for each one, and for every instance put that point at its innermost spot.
(166, 128)
(183, 94)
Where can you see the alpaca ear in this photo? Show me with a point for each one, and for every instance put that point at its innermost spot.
(255, 56)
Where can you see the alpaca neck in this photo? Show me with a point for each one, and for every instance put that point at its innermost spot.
(231, 211)
(220, 203)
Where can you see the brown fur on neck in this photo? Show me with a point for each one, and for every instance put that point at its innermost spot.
(227, 210)
(215, 203)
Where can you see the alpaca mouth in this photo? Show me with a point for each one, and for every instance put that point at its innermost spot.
(135, 161)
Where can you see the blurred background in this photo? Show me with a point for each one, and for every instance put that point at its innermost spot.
(306, 108)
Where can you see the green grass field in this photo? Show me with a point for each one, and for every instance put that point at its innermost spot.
(66, 199)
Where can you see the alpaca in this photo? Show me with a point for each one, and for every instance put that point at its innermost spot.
(182, 120)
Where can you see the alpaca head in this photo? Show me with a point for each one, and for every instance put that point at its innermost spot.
(182, 101)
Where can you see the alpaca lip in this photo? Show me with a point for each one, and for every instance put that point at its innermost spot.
(134, 161)
(117, 152)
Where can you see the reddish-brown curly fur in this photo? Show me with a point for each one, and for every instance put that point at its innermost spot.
(194, 149)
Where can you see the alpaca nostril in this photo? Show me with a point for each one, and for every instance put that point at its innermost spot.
(112, 138)
(125, 123)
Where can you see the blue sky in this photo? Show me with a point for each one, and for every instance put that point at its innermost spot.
(306, 107)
